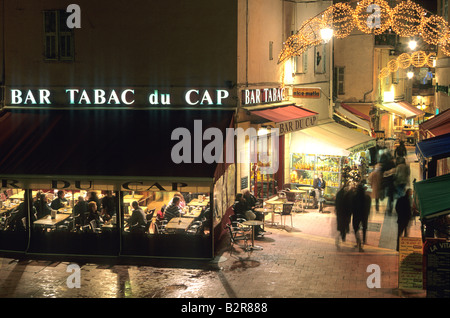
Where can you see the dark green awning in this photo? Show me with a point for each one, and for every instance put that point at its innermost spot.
(433, 196)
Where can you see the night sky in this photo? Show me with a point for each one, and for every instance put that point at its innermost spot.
(430, 5)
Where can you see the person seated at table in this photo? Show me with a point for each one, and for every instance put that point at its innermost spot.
(182, 203)
(250, 199)
(93, 214)
(319, 185)
(251, 203)
(173, 210)
(79, 211)
(108, 206)
(137, 220)
(240, 208)
(42, 207)
(60, 201)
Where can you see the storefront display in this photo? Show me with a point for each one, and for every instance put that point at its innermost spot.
(305, 167)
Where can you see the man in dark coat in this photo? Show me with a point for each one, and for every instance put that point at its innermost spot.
(361, 209)
(343, 213)
(404, 214)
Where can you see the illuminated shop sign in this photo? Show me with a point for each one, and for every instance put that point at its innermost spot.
(262, 96)
(306, 92)
(296, 124)
(117, 97)
(78, 184)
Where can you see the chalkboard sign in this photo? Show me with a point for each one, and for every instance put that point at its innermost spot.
(244, 183)
(438, 269)
(410, 263)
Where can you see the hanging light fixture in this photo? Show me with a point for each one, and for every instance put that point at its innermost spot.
(412, 44)
(326, 34)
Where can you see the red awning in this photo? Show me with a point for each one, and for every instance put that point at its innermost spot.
(284, 113)
(355, 112)
(101, 142)
(439, 122)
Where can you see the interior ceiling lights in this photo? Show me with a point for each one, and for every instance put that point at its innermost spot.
(372, 17)
(405, 60)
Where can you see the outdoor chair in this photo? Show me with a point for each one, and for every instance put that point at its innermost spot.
(237, 236)
(285, 212)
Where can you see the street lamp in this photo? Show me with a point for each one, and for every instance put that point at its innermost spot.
(412, 44)
(326, 34)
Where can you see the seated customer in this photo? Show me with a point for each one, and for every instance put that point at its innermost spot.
(173, 210)
(240, 207)
(79, 211)
(108, 206)
(137, 221)
(41, 205)
(59, 202)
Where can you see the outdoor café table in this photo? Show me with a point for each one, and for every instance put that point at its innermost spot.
(179, 225)
(65, 210)
(253, 224)
(47, 220)
(264, 211)
(192, 213)
(197, 203)
(274, 203)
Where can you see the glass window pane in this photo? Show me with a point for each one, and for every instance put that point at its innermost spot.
(13, 220)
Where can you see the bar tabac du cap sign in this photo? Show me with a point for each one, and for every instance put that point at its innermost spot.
(306, 92)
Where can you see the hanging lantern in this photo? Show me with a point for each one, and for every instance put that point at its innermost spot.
(393, 65)
(373, 16)
(406, 18)
(445, 44)
(384, 72)
(340, 17)
(404, 60)
(433, 29)
(419, 58)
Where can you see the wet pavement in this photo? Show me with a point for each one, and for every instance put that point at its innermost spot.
(301, 261)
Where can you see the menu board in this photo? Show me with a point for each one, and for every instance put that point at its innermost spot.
(410, 275)
(438, 269)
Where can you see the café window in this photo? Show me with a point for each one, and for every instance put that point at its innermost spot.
(58, 38)
(166, 223)
(74, 221)
(14, 221)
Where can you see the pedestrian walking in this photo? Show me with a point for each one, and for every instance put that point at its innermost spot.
(388, 168)
(400, 151)
(403, 207)
(376, 182)
(401, 177)
(360, 211)
(343, 213)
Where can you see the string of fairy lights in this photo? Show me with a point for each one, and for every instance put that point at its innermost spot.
(405, 60)
(407, 19)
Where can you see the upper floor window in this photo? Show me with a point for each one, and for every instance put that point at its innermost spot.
(58, 38)
(444, 9)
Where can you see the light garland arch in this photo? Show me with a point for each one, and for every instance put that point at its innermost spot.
(405, 60)
(406, 19)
